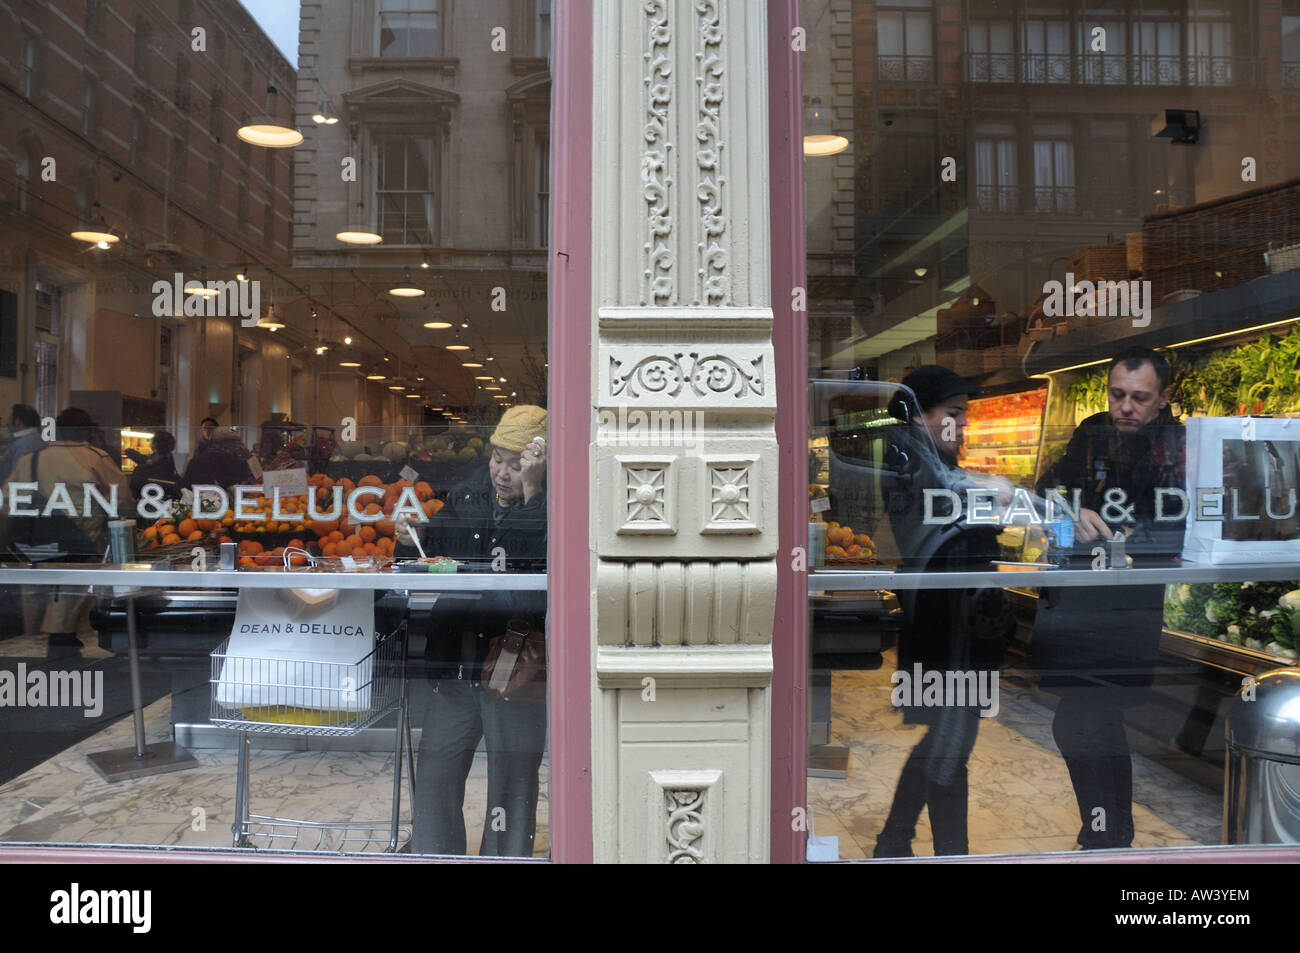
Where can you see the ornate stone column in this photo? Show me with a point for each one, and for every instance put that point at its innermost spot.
(683, 511)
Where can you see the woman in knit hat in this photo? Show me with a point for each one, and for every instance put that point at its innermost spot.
(499, 513)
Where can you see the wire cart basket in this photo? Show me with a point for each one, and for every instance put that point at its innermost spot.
(306, 697)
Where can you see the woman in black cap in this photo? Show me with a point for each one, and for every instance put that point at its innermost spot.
(944, 630)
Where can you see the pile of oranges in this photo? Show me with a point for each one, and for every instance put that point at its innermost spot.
(336, 537)
(843, 543)
(166, 532)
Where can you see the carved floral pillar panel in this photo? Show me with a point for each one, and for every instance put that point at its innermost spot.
(685, 455)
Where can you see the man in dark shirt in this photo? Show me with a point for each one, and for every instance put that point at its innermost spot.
(1097, 646)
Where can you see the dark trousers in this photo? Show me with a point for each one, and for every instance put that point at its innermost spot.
(458, 716)
(917, 789)
(1089, 730)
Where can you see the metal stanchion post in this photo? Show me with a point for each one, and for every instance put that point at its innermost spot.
(121, 764)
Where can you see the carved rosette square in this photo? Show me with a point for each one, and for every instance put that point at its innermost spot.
(730, 496)
(647, 500)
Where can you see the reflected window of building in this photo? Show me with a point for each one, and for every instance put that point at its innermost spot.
(1053, 167)
(404, 189)
(909, 154)
(1291, 50)
(407, 28)
(542, 28)
(1160, 61)
(905, 42)
(1047, 50)
(996, 184)
(1209, 47)
(991, 52)
(27, 80)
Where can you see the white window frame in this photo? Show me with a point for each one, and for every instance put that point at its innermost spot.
(434, 137)
(398, 8)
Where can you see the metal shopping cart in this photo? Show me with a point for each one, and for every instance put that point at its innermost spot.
(304, 697)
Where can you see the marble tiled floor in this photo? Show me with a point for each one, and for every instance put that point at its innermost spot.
(1021, 799)
(1020, 794)
(63, 800)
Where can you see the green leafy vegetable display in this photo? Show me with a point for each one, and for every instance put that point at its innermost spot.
(1260, 615)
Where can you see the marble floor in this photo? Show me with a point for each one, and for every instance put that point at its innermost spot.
(64, 800)
(1020, 796)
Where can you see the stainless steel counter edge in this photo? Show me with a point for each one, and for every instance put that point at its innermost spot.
(831, 580)
(188, 579)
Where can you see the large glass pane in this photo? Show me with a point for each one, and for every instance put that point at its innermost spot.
(275, 417)
(1052, 389)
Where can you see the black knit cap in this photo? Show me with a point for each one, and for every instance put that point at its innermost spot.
(933, 384)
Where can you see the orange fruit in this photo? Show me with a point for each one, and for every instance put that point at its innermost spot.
(254, 547)
(348, 485)
(170, 538)
(386, 528)
(863, 540)
(336, 536)
(370, 480)
(328, 550)
(423, 491)
(247, 561)
(369, 549)
(186, 527)
(151, 532)
(197, 534)
(367, 533)
(372, 508)
(354, 541)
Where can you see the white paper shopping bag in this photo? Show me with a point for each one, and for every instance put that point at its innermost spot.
(300, 649)
(1243, 475)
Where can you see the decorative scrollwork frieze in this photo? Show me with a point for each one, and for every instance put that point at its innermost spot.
(671, 375)
(656, 176)
(713, 284)
(686, 825)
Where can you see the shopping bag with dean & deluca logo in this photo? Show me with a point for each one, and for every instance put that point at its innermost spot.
(299, 649)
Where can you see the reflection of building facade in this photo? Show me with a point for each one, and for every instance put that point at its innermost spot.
(1042, 115)
(443, 152)
(144, 144)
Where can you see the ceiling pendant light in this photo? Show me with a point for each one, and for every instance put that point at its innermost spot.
(819, 139)
(358, 231)
(406, 288)
(200, 288)
(266, 130)
(96, 232)
(458, 346)
(270, 323)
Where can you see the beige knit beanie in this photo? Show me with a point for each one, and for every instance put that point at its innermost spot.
(518, 426)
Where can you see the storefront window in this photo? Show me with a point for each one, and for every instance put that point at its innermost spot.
(1052, 332)
(280, 476)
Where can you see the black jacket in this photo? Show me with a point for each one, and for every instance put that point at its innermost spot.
(464, 529)
(1099, 459)
(946, 629)
(1106, 639)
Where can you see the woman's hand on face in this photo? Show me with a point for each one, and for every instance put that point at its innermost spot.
(404, 524)
(532, 466)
